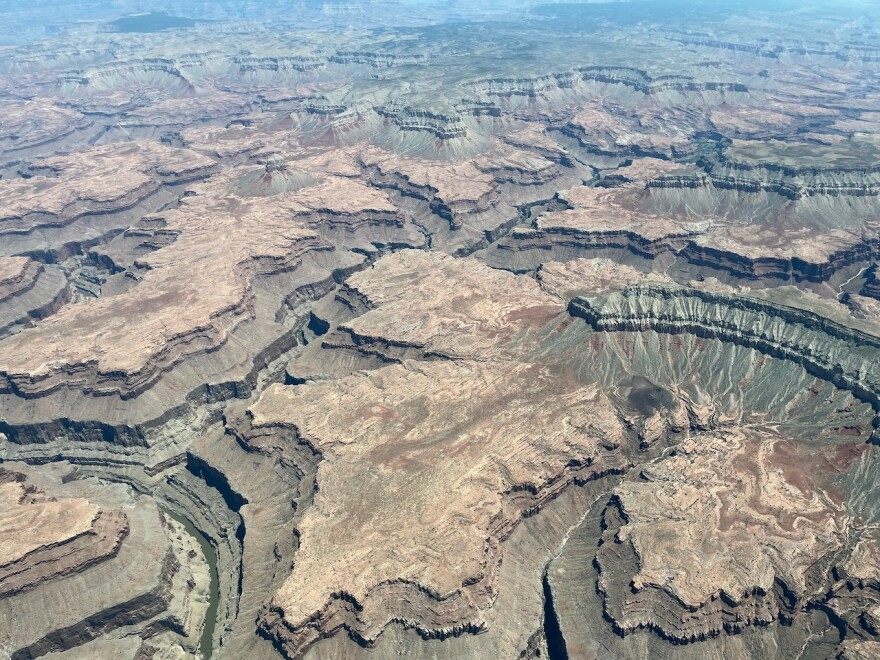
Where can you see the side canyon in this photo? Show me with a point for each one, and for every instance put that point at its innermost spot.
(440, 330)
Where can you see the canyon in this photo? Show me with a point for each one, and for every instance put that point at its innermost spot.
(463, 330)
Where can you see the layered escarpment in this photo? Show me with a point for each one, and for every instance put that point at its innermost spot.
(62, 189)
(452, 441)
(413, 285)
(746, 522)
(856, 594)
(466, 203)
(871, 287)
(839, 352)
(32, 123)
(125, 342)
(796, 170)
(731, 530)
(635, 79)
(45, 538)
(17, 275)
(620, 132)
(122, 569)
(653, 208)
(432, 463)
(207, 309)
(478, 414)
(166, 318)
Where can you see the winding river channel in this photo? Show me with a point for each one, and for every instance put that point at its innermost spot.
(206, 643)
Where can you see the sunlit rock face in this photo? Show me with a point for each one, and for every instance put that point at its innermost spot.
(439, 330)
(727, 530)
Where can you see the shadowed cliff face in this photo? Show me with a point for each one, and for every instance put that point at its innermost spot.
(439, 330)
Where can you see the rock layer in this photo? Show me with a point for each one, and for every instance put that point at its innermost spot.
(412, 455)
(724, 534)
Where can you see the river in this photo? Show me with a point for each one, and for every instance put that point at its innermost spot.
(206, 643)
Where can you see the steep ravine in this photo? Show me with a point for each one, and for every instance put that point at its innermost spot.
(206, 643)
(155, 459)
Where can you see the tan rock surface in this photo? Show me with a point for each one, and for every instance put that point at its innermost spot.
(454, 182)
(17, 274)
(486, 310)
(590, 277)
(43, 537)
(26, 526)
(534, 136)
(36, 121)
(616, 211)
(430, 466)
(613, 129)
(760, 242)
(721, 520)
(223, 242)
(466, 188)
(859, 650)
(164, 315)
(152, 578)
(110, 177)
(647, 169)
(207, 224)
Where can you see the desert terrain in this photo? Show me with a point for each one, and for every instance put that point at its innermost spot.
(440, 330)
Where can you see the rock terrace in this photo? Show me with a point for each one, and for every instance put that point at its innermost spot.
(465, 331)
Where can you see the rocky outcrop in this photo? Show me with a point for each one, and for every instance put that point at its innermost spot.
(728, 532)
(794, 171)
(17, 276)
(833, 351)
(217, 217)
(463, 205)
(116, 562)
(255, 63)
(159, 71)
(871, 288)
(35, 123)
(855, 596)
(703, 543)
(51, 538)
(475, 406)
(618, 132)
(163, 322)
(637, 79)
(80, 199)
(443, 126)
(407, 581)
(376, 60)
(793, 268)
(648, 208)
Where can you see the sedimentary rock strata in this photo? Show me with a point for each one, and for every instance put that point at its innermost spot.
(118, 563)
(723, 534)
(117, 177)
(136, 351)
(711, 221)
(466, 201)
(496, 470)
(36, 122)
(566, 280)
(399, 330)
(491, 309)
(17, 275)
(852, 650)
(453, 439)
(236, 239)
(47, 538)
(842, 353)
